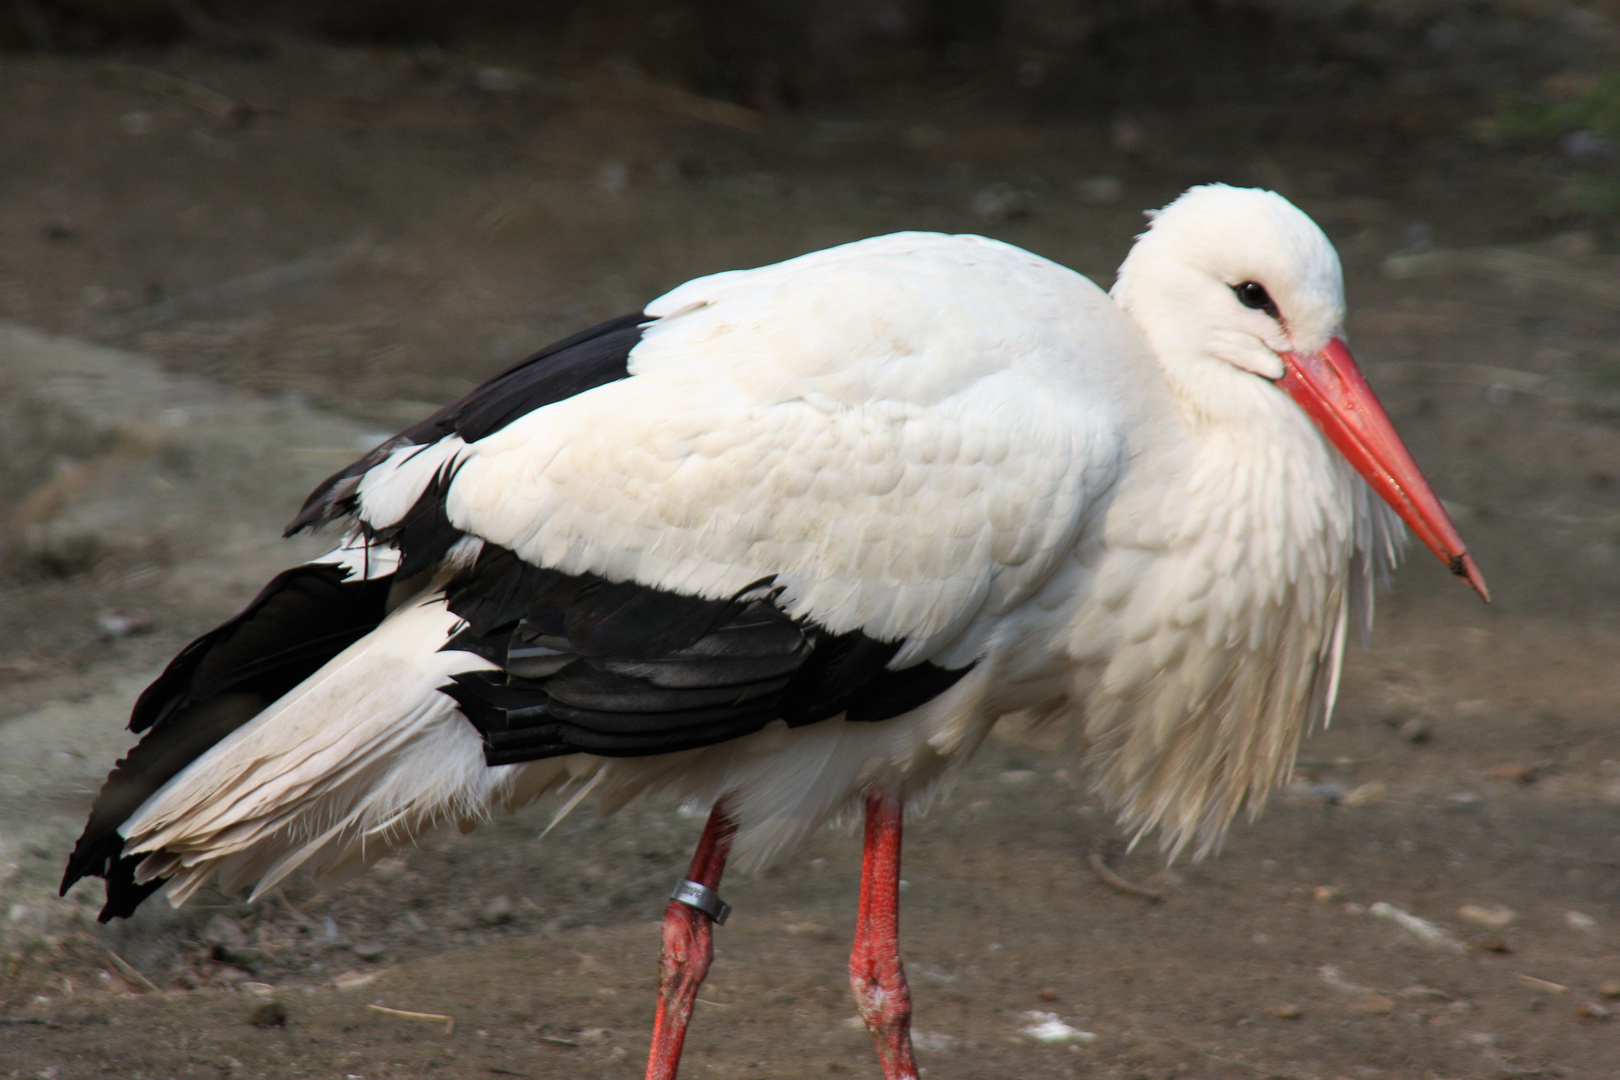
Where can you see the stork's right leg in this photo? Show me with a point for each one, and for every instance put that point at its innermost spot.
(689, 943)
(875, 971)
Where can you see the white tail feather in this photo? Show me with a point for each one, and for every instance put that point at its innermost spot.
(362, 756)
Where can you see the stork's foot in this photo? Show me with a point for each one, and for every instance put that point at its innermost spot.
(875, 971)
(689, 943)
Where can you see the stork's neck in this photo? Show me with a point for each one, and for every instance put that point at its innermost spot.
(1220, 594)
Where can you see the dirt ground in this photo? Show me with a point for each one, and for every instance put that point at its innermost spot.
(382, 226)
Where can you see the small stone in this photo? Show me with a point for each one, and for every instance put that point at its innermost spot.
(1288, 1011)
(1591, 1010)
(1001, 202)
(1363, 794)
(497, 911)
(268, 1014)
(1416, 731)
(1518, 772)
(1126, 135)
(59, 227)
(1610, 989)
(1102, 190)
(224, 930)
(369, 950)
(1374, 1005)
(1496, 944)
(1328, 792)
(1047, 994)
(1046, 1027)
(1579, 920)
(1325, 894)
(1492, 917)
(120, 624)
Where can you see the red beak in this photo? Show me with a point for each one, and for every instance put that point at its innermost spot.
(1330, 387)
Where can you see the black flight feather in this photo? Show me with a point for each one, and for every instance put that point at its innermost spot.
(627, 670)
(588, 359)
(298, 622)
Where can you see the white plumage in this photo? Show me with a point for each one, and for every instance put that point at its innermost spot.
(1106, 506)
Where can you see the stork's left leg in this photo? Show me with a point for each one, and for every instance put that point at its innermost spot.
(874, 966)
(689, 943)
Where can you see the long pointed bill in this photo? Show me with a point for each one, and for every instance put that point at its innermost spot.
(1330, 387)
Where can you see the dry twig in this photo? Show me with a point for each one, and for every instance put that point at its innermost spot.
(125, 968)
(1117, 883)
(163, 84)
(449, 1022)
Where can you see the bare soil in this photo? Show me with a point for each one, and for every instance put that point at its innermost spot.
(391, 225)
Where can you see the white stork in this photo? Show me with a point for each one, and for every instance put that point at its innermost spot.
(795, 537)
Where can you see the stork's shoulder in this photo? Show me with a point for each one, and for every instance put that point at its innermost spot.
(914, 317)
(902, 259)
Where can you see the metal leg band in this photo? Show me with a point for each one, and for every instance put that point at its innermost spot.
(699, 896)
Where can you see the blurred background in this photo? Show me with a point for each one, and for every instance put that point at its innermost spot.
(241, 242)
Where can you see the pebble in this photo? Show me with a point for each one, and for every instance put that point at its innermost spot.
(1374, 1005)
(1610, 989)
(1328, 792)
(1591, 1010)
(1325, 894)
(1102, 190)
(119, 624)
(59, 227)
(1517, 772)
(224, 930)
(1492, 917)
(267, 1014)
(1001, 203)
(1045, 1027)
(1289, 1011)
(1417, 732)
(1579, 920)
(1365, 793)
(497, 911)
(369, 950)
(1126, 135)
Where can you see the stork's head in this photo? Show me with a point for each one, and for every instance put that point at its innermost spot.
(1241, 297)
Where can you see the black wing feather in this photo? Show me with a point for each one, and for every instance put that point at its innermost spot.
(588, 359)
(219, 682)
(626, 670)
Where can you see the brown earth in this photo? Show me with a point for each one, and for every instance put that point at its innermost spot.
(392, 224)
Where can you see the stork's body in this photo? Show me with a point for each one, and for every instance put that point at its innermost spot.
(797, 536)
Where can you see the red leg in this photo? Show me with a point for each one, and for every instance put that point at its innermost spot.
(688, 949)
(874, 966)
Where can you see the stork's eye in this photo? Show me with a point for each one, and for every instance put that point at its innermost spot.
(1252, 294)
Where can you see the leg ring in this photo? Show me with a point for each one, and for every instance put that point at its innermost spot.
(700, 897)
